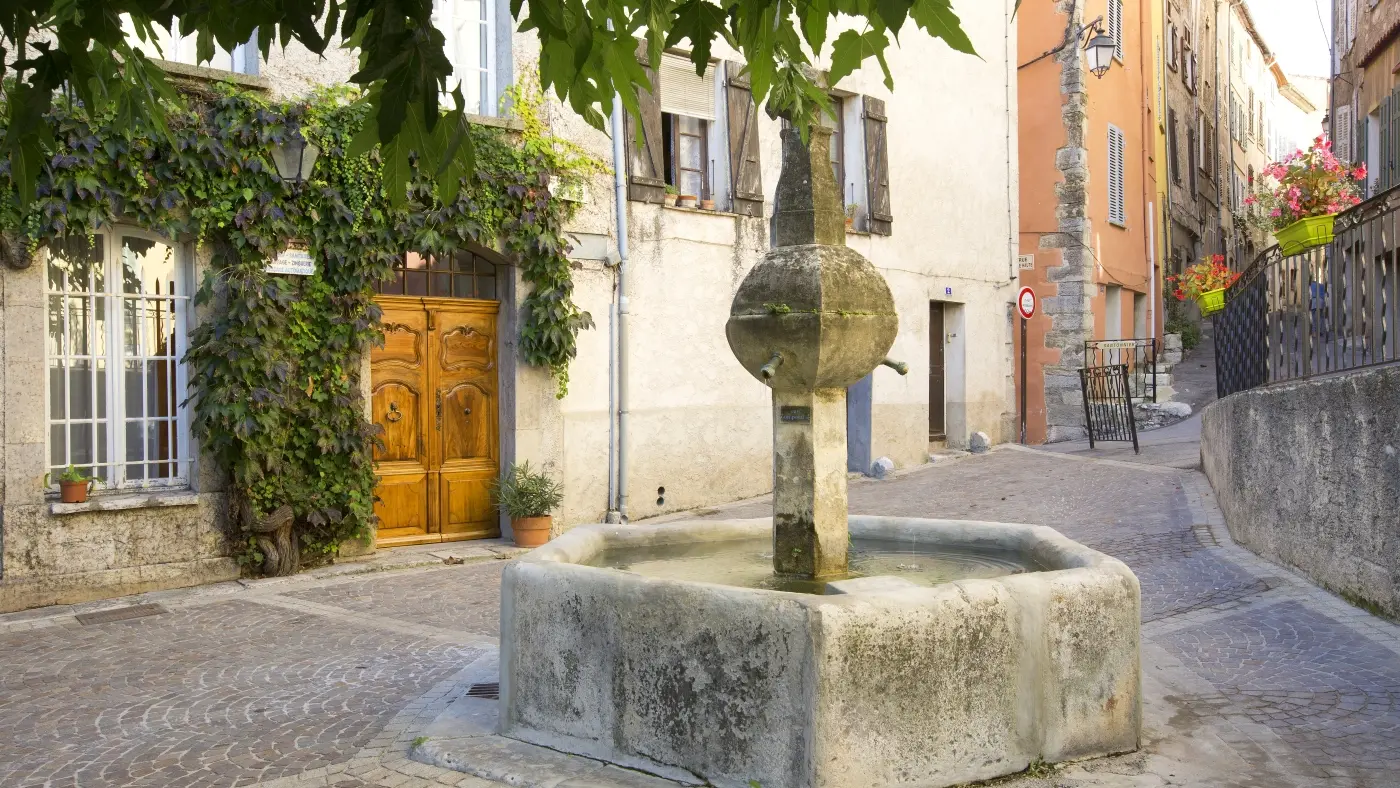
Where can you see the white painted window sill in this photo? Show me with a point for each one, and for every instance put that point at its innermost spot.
(117, 502)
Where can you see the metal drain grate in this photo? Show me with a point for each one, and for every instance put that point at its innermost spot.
(119, 614)
(491, 691)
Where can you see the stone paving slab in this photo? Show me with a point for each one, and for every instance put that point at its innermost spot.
(1253, 677)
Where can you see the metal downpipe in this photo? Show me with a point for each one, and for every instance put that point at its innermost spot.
(617, 452)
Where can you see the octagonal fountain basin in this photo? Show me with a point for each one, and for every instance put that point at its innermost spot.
(955, 651)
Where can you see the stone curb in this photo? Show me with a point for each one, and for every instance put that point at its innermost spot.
(64, 615)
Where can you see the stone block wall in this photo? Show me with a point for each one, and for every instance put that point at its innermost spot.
(1308, 474)
(123, 543)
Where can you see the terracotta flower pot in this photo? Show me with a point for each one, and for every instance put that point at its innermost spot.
(672, 199)
(688, 200)
(73, 492)
(707, 205)
(531, 531)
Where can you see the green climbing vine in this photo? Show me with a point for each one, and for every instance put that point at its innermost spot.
(274, 362)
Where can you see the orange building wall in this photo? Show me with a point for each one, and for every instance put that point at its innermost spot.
(1040, 28)
(1123, 97)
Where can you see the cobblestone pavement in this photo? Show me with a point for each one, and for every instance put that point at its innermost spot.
(1252, 677)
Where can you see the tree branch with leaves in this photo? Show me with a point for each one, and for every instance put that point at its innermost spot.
(587, 56)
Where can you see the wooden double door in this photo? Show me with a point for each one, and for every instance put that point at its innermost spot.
(434, 392)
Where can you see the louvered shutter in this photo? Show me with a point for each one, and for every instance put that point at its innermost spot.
(745, 171)
(1362, 143)
(1115, 26)
(1116, 212)
(1173, 140)
(877, 167)
(1344, 131)
(646, 169)
(1393, 144)
(1383, 159)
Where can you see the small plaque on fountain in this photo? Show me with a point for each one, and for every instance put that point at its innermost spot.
(793, 414)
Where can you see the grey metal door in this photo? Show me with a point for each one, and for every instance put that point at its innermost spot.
(936, 374)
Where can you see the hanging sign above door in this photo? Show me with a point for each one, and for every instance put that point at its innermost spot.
(295, 260)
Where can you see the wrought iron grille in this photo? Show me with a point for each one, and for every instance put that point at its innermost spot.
(1328, 309)
(1140, 356)
(1108, 408)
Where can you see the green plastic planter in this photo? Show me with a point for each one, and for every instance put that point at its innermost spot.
(1304, 234)
(1211, 301)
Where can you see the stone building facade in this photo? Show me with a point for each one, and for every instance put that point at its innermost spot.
(1088, 183)
(1189, 81)
(699, 427)
(1364, 102)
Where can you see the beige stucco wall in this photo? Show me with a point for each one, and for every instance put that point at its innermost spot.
(699, 425)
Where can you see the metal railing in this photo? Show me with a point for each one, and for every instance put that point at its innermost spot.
(1140, 357)
(1328, 309)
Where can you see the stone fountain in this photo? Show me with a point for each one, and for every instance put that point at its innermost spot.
(644, 646)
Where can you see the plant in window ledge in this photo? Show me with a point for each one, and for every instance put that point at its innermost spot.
(672, 195)
(850, 216)
(73, 485)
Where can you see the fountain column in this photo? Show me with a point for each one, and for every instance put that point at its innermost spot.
(810, 319)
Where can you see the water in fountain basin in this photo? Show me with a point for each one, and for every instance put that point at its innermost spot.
(749, 563)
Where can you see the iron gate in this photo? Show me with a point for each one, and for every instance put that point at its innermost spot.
(1108, 404)
(1140, 356)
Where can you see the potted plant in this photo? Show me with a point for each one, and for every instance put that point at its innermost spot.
(671, 195)
(687, 200)
(1299, 197)
(73, 485)
(527, 498)
(1205, 283)
(707, 205)
(850, 216)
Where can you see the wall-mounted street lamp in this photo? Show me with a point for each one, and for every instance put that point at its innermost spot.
(294, 159)
(1100, 49)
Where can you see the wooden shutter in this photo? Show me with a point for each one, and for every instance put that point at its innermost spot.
(745, 171)
(1344, 130)
(646, 168)
(1115, 26)
(1383, 159)
(1173, 140)
(1116, 213)
(1361, 150)
(1393, 142)
(877, 167)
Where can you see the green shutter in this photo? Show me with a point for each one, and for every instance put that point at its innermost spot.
(1359, 149)
(1383, 159)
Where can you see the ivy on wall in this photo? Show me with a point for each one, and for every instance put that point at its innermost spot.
(274, 363)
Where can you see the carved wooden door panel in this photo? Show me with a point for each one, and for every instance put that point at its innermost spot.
(401, 403)
(434, 393)
(465, 387)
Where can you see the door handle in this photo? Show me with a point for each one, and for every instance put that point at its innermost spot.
(439, 411)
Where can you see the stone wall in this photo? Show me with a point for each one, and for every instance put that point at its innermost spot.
(1308, 475)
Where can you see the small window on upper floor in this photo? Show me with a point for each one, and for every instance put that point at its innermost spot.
(181, 46)
(698, 137)
(469, 27)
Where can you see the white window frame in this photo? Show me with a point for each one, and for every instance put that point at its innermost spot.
(115, 299)
(453, 24)
(172, 46)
